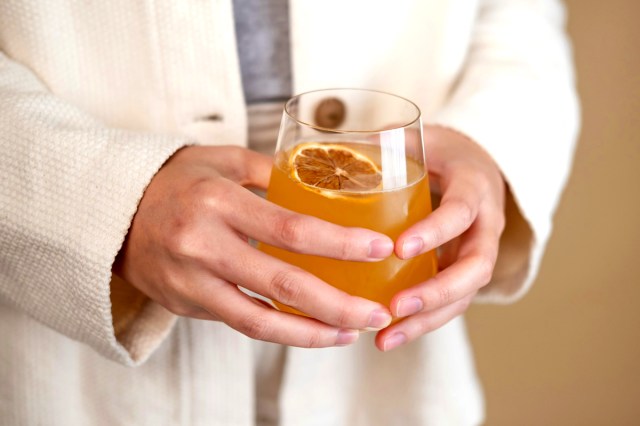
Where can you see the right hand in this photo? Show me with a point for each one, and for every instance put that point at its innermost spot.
(188, 250)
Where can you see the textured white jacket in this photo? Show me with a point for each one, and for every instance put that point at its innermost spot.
(95, 96)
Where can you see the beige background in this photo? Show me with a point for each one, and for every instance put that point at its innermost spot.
(569, 353)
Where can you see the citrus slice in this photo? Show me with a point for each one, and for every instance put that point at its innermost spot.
(334, 166)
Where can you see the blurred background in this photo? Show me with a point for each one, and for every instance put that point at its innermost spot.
(569, 352)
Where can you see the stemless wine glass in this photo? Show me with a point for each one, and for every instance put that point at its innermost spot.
(355, 158)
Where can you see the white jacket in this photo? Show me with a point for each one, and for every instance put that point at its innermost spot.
(95, 96)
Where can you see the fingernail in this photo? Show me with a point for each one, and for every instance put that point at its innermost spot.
(380, 249)
(346, 337)
(409, 306)
(378, 319)
(412, 247)
(394, 341)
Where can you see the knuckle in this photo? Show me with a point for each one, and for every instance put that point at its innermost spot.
(312, 340)
(346, 248)
(289, 229)
(182, 234)
(285, 286)
(256, 327)
(463, 211)
(445, 295)
(205, 197)
(343, 315)
(182, 240)
(438, 235)
(212, 194)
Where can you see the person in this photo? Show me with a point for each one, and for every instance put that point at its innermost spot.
(125, 215)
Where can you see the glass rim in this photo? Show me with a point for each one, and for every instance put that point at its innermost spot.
(350, 89)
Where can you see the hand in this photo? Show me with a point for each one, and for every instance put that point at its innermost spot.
(188, 250)
(467, 224)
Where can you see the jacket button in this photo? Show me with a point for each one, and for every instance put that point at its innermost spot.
(210, 117)
(330, 113)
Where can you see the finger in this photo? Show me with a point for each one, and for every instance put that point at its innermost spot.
(291, 286)
(473, 269)
(259, 172)
(457, 211)
(276, 226)
(417, 325)
(239, 165)
(260, 322)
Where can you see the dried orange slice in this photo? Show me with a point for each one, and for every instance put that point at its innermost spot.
(334, 166)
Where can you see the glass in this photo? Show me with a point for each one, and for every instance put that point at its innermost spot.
(355, 158)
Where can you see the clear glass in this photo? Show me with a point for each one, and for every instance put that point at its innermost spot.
(371, 142)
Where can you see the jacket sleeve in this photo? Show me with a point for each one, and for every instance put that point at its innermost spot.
(516, 98)
(69, 187)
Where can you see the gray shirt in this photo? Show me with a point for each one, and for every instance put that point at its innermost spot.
(262, 32)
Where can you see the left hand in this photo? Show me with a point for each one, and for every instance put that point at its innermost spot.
(467, 224)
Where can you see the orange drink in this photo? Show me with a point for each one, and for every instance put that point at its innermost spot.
(354, 158)
(388, 212)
